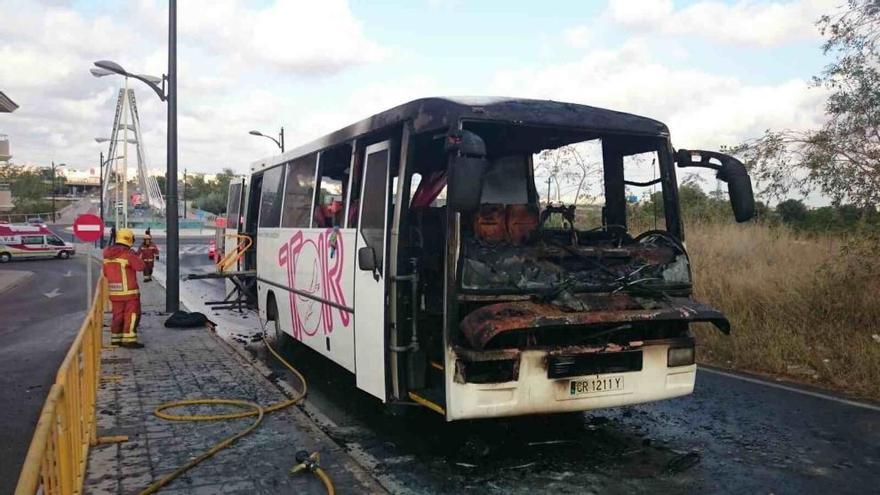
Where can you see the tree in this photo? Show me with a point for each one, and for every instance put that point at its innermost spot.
(161, 181)
(568, 167)
(792, 211)
(214, 202)
(842, 158)
(28, 188)
(210, 195)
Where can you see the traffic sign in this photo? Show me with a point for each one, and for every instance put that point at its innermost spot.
(88, 227)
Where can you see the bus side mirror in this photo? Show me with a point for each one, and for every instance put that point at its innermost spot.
(467, 166)
(739, 188)
(731, 171)
(367, 259)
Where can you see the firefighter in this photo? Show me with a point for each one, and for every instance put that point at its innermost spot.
(148, 252)
(120, 267)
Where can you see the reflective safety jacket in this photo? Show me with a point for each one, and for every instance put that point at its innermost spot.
(148, 253)
(120, 267)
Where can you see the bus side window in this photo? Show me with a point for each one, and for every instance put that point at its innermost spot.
(329, 208)
(233, 206)
(270, 197)
(375, 188)
(298, 192)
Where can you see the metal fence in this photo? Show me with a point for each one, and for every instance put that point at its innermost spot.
(23, 217)
(56, 459)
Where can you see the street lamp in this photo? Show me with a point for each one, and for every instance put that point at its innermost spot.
(279, 141)
(101, 163)
(53, 187)
(167, 92)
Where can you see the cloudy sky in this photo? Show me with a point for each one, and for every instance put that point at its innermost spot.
(715, 71)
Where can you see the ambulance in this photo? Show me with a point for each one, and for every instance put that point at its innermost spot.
(32, 241)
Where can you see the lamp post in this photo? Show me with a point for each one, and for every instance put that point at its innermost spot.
(279, 141)
(167, 92)
(101, 163)
(183, 194)
(101, 192)
(53, 187)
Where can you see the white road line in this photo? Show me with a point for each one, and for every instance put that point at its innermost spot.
(819, 395)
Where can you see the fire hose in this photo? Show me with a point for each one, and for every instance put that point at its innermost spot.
(305, 461)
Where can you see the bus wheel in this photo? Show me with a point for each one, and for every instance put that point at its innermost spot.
(283, 342)
(5, 257)
(64, 255)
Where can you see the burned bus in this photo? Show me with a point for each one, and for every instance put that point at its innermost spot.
(412, 249)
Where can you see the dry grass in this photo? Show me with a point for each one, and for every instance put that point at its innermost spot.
(799, 307)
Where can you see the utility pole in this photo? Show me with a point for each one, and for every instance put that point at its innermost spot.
(101, 174)
(183, 193)
(282, 139)
(53, 187)
(172, 290)
(548, 190)
(53, 191)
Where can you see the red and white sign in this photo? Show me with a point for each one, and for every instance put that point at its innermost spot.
(88, 227)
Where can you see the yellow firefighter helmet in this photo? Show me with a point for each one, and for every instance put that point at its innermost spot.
(125, 236)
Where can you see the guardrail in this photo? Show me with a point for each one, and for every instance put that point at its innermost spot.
(56, 459)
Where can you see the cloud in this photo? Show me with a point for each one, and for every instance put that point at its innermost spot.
(299, 36)
(741, 22)
(702, 109)
(237, 63)
(578, 36)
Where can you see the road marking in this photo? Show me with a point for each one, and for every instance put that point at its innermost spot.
(194, 249)
(55, 293)
(818, 395)
(68, 274)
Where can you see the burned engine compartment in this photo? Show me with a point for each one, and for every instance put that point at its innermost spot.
(548, 267)
(561, 287)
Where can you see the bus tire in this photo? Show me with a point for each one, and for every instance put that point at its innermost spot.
(5, 257)
(282, 341)
(64, 255)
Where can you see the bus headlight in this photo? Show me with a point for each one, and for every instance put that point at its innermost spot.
(680, 356)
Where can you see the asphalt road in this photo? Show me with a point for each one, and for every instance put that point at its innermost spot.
(39, 320)
(735, 434)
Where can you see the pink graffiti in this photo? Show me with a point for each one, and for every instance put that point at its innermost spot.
(325, 254)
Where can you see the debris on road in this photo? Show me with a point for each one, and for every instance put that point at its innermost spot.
(683, 463)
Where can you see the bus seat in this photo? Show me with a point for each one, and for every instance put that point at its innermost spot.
(490, 224)
(522, 222)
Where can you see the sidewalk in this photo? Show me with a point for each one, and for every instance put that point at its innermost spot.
(189, 364)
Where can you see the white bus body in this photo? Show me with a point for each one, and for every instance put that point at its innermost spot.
(433, 305)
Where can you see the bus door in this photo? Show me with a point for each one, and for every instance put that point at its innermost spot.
(251, 215)
(370, 275)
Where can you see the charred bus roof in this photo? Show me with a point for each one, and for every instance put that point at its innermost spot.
(436, 113)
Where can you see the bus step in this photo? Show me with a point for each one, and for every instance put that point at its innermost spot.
(432, 398)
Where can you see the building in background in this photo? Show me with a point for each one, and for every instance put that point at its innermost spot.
(6, 106)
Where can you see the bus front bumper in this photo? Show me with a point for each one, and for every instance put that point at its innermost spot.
(534, 392)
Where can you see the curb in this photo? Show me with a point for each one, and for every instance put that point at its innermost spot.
(26, 275)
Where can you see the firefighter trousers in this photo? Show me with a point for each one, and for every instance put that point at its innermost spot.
(126, 316)
(148, 270)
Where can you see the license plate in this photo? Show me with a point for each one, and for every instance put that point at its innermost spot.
(596, 385)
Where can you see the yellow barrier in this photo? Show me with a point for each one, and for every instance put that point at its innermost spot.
(56, 459)
(244, 243)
